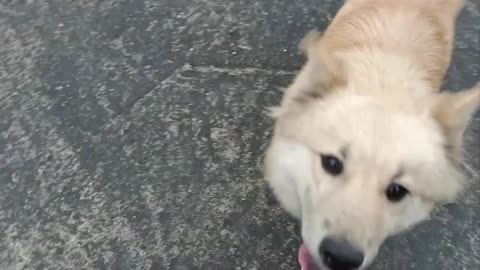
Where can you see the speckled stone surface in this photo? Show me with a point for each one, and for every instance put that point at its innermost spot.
(131, 136)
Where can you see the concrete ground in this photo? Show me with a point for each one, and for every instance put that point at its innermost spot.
(131, 135)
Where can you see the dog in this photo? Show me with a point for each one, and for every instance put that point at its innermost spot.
(365, 145)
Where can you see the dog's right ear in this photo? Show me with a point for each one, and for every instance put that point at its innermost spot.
(453, 112)
(321, 75)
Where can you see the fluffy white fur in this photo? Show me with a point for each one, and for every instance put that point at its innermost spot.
(369, 94)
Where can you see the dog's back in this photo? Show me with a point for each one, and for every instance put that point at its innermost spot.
(421, 31)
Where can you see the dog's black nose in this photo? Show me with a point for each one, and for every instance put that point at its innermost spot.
(340, 255)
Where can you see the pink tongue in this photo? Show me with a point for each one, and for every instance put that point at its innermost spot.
(305, 259)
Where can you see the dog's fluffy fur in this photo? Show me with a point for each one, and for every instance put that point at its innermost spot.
(369, 94)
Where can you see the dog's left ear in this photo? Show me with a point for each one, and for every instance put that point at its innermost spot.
(319, 77)
(453, 111)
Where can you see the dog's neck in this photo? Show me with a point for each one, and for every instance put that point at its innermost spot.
(392, 42)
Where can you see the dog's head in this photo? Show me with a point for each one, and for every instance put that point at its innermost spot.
(356, 169)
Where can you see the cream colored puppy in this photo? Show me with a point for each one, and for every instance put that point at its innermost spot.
(365, 145)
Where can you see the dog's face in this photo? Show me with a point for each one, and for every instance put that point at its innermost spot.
(357, 172)
(356, 169)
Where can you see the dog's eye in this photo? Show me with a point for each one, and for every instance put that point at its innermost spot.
(396, 192)
(332, 164)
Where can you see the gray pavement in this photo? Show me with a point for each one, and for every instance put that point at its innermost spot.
(131, 136)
